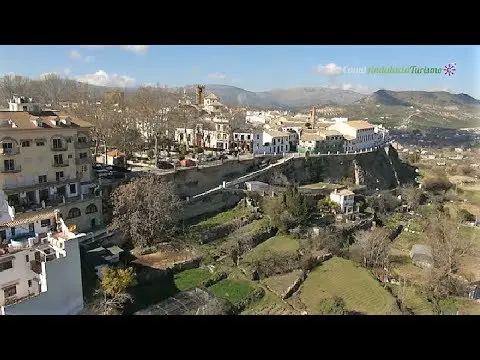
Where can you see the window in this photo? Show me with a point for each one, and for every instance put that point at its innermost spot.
(73, 188)
(10, 291)
(45, 223)
(40, 143)
(82, 140)
(26, 143)
(236, 136)
(242, 137)
(12, 230)
(3, 235)
(27, 258)
(5, 265)
(42, 179)
(58, 159)
(83, 155)
(248, 137)
(7, 147)
(69, 140)
(57, 143)
(70, 156)
(29, 283)
(59, 175)
(92, 208)
(258, 137)
(84, 168)
(9, 164)
(74, 213)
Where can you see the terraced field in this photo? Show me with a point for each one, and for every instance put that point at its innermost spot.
(355, 285)
(278, 245)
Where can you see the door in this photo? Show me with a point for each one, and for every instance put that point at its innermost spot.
(31, 227)
(93, 223)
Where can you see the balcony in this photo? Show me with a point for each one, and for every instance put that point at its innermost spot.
(82, 161)
(84, 145)
(9, 151)
(36, 266)
(62, 147)
(14, 169)
(63, 163)
(15, 188)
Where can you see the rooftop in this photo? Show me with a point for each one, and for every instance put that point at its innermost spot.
(360, 124)
(50, 120)
(344, 192)
(28, 218)
(211, 96)
(275, 133)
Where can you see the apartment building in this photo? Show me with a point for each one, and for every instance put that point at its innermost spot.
(321, 142)
(359, 134)
(202, 135)
(40, 272)
(270, 142)
(46, 164)
(242, 139)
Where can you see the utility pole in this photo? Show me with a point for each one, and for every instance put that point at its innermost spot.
(156, 149)
(105, 152)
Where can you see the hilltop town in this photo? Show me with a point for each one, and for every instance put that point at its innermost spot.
(169, 202)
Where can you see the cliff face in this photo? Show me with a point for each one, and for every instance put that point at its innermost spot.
(381, 169)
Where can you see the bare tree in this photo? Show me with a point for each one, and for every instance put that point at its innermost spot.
(52, 87)
(185, 116)
(374, 247)
(13, 84)
(145, 209)
(449, 248)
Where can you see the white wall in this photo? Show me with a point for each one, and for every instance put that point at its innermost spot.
(261, 138)
(64, 295)
(19, 274)
(342, 200)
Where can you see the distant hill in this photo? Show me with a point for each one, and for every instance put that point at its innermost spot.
(418, 98)
(291, 99)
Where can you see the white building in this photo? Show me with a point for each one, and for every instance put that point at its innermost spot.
(212, 104)
(40, 273)
(359, 134)
(242, 139)
(203, 135)
(270, 142)
(345, 200)
(21, 103)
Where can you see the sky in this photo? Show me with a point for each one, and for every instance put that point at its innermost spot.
(251, 67)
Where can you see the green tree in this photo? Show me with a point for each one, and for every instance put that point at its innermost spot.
(113, 289)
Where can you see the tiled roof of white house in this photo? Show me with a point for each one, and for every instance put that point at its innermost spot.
(275, 133)
(360, 124)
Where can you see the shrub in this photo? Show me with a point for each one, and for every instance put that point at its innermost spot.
(466, 216)
(332, 306)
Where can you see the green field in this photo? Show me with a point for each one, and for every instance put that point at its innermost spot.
(355, 285)
(279, 245)
(191, 278)
(224, 217)
(232, 290)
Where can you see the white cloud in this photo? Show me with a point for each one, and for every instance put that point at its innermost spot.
(101, 78)
(354, 87)
(67, 71)
(217, 76)
(138, 49)
(329, 69)
(75, 55)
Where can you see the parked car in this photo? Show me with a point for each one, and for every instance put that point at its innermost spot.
(165, 165)
(186, 163)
